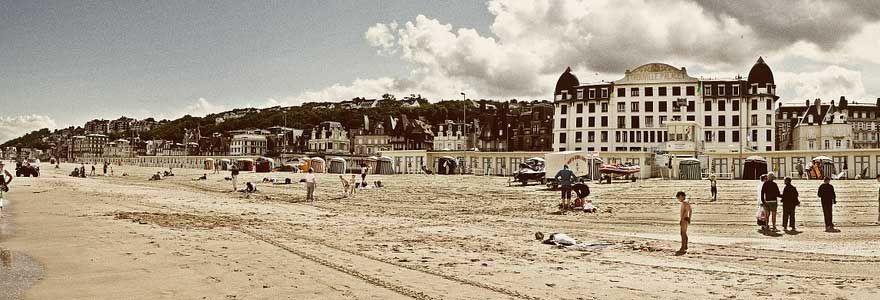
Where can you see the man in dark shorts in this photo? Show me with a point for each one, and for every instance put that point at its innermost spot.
(769, 198)
(565, 177)
(829, 199)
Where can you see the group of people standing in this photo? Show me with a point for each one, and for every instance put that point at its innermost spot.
(311, 182)
(769, 196)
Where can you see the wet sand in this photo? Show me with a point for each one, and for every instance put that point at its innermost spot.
(428, 237)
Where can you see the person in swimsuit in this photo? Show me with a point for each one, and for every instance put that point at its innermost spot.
(713, 187)
(685, 220)
(4, 184)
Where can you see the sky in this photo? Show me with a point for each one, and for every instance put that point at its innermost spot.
(65, 62)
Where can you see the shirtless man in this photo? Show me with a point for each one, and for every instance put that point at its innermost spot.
(685, 220)
(4, 184)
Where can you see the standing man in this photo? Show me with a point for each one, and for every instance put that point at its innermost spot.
(829, 199)
(769, 196)
(93, 170)
(234, 171)
(789, 202)
(105, 167)
(311, 183)
(564, 177)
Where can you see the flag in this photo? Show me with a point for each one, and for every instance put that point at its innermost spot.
(366, 122)
(393, 122)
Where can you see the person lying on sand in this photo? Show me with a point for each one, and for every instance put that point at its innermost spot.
(203, 177)
(588, 207)
(157, 176)
(559, 239)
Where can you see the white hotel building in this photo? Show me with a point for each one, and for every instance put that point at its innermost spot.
(630, 114)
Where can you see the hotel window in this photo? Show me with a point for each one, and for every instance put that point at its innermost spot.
(604, 121)
(754, 104)
(634, 92)
(621, 92)
(812, 144)
(676, 91)
(617, 136)
(721, 121)
(621, 122)
(721, 137)
(591, 107)
(563, 109)
(578, 122)
(634, 107)
(692, 106)
(604, 92)
(662, 106)
(592, 94)
(827, 144)
(838, 144)
(675, 107)
(690, 91)
(562, 137)
(769, 119)
(653, 136)
(661, 91)
(604, 136)
(649, 106)
(649, 121)
(707, 90)
(591, 136)
(754, 120)
(649, 92)
(707, 121)
(769, 104)
(735, 90)
(634, 122)
(722, 105)
(604, 107)
(662, 120)
(621, 107)
(580, 94)
(562, 123)
(579, 108)
(734, 105)
(720, 91)
(754, 135)
(691, 118)
(578, 137)
(707, 105)
(708, 135)
(754, 88)
(769, 135)
(734, 136)
(591, 122)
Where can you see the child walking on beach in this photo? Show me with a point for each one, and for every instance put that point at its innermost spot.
(713, 187)
(684, 221)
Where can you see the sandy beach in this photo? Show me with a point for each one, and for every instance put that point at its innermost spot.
(424, 237)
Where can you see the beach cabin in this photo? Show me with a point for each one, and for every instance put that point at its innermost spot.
(317, 165)
(385, 165)
(689, 169)
(225, 164)
(209, 164)
(447, 165)
(264, 165)
(245, 164)
(754, 167)
(338, 165)
(822, 167)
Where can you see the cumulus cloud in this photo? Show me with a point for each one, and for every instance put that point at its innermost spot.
(202, 107)
(13, 127)
(531, 42)
(828, 84)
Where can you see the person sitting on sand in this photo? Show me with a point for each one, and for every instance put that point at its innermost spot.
(685, 220)
(588, 207)
(157, 176)
(377, 184)
(250, 187)
(581, 190)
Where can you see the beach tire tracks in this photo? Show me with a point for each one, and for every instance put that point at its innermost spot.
(376, 281)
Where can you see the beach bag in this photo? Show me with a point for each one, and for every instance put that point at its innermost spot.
(761, 217)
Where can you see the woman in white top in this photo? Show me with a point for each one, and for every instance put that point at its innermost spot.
(311, 184)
